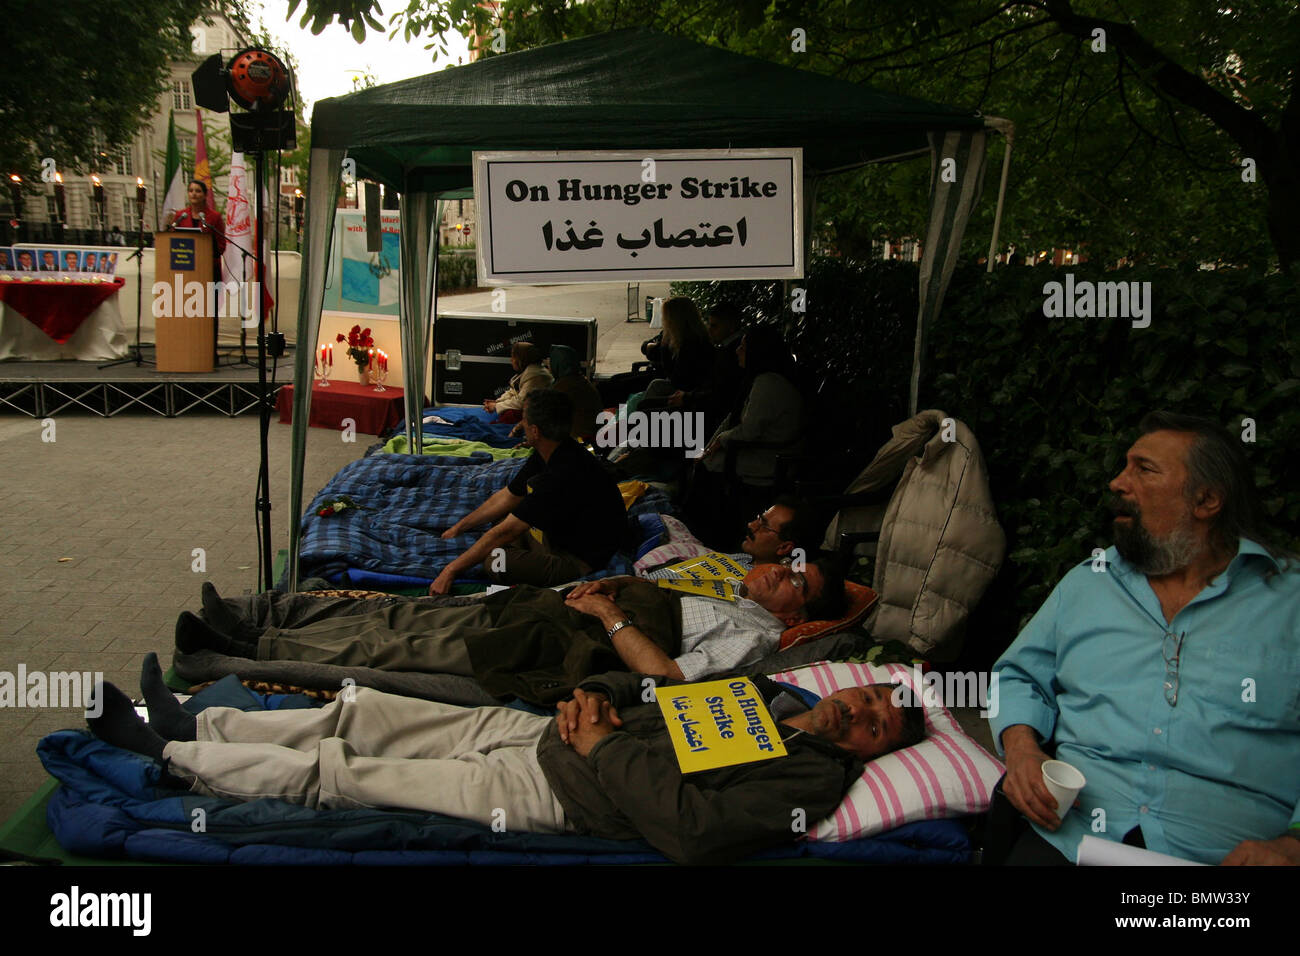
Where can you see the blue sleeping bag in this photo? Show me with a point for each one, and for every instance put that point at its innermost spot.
(110, 804)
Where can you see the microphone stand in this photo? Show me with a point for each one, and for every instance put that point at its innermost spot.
(243, 332)
(138, 255)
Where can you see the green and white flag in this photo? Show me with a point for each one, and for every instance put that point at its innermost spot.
(175, 197)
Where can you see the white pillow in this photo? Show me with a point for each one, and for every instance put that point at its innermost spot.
(947, 775)
(681, 544)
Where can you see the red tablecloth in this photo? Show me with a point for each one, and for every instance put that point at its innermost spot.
(56, 308)
(372, 411)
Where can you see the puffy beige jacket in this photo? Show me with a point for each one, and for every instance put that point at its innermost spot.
(534, 376)
(940, 543)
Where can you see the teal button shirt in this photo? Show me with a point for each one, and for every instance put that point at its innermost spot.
(1220, 766)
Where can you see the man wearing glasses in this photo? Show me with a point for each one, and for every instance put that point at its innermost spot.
(1167, 671)
(535, 643)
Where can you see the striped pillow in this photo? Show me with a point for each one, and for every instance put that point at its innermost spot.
(948, 775)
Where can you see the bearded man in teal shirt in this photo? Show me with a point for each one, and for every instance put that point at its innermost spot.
(1167, 671)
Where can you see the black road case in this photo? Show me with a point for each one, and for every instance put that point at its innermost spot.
(471, 350)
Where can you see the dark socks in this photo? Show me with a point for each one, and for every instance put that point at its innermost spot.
(194, 634)
(166, 715)
(118, 724)
(218, 613)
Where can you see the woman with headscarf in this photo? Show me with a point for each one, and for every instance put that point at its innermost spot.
(569, 379)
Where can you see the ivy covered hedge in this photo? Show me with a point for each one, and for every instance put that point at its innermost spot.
(457, 271)
(1055, 402)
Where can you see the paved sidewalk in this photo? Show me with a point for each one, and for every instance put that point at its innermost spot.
(98, 527)
(98, 530)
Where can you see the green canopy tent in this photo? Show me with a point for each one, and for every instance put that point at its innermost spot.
(629, 89)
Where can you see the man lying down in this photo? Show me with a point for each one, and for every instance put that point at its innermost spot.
(533, 643)
(604, 766)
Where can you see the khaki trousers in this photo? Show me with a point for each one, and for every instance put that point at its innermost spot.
(402, 637)
(378, 750)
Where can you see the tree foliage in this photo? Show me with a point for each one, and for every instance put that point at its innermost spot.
(1129, 144)
(79, 67)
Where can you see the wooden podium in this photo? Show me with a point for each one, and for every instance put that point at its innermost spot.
(185, 341)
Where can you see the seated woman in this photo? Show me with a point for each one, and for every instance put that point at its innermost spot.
(685, 354)
(770, 411)
(526, 360)
(570, 381)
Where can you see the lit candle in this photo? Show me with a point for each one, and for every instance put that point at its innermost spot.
(59, 199)
(98, 189)
(331, 348)
(139, 191)
(16, 193)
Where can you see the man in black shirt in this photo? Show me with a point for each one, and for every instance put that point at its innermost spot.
(561, 518)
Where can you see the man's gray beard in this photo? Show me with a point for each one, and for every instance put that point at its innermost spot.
(1152, 555)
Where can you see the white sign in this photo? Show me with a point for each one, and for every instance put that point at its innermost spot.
(615, 216)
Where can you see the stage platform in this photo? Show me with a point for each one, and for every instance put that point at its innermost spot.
(44, 389)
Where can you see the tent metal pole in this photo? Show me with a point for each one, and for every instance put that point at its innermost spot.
(1008, 131)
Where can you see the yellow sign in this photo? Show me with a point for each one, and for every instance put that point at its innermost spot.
(710, 575)
(718, 723)
(713, 589)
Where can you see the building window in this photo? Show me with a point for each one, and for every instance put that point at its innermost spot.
(185, 144)
(51, 209)
(122, 164)
(129, 215)
(181, 95)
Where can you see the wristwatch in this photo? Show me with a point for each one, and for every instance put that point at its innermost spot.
(618, 627)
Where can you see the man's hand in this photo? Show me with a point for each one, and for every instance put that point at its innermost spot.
(1283, 851)
(451, 532)
(595, 603)
(1024, 785)
(442, 583)
(569, 712)
(596, 718)
(601, 586)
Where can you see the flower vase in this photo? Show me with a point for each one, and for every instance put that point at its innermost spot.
(363, 374)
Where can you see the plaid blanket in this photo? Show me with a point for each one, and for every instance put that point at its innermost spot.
(404, 503)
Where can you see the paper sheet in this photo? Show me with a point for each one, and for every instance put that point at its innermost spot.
(1094, 851)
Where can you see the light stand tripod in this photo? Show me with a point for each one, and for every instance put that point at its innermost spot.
(259, 82)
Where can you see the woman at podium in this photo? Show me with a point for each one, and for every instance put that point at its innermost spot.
(199, 215)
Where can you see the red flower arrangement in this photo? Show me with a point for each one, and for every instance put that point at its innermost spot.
(360, 343)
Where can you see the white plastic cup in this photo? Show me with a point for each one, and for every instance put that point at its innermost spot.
(1063, 782)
